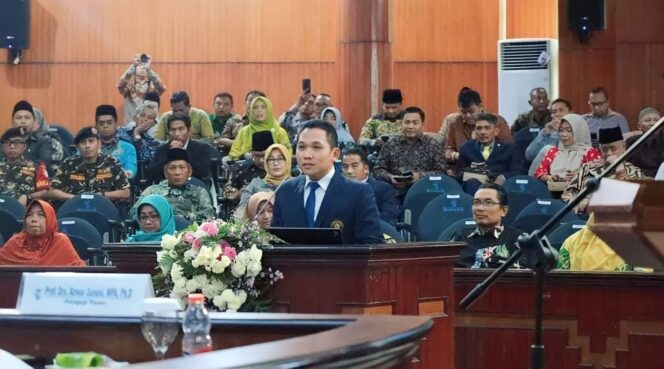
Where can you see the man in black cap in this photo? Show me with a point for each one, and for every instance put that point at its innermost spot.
(19, 177)
(244, 171)
(179, 136)
(91, 172)
(188, 201)
(388, 123)
(612, 145)
(106, 118)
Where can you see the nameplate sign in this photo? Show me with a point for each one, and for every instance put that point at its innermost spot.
(88, 294)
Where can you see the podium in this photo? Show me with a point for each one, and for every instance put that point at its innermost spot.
(629, 217)
(397, 279)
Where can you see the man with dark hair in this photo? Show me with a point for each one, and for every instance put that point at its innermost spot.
(612, 145)
(91, 172)
(602, 116)
(487, 154)
(356, 166)
(386, 123)
(20, 178)
(322, 101)
(323, 198)
(549, 134)
(223, 116)
(244, 171)
(125, 153)
(491, 243)
(201, 127)
(462, 128)
(539, 115)
(300, 112)
(188, 201)
(411, 155)
(179, 127)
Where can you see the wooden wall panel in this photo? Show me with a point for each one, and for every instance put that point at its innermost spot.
(532, 19)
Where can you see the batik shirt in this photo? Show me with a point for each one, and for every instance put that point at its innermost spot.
(74, 176)
(488, 249)
(592, 170)
(398, 155)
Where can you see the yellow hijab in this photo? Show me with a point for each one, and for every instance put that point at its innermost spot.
(584, 251)
(271, 179)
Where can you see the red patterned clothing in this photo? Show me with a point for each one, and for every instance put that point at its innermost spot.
(591, 154)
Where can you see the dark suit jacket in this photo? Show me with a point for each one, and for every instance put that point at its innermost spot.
(345, 200)
(503, 159)
(386, 201)
(199, 158)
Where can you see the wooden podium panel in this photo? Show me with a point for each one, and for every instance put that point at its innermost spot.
(401, 279)
(591, 320)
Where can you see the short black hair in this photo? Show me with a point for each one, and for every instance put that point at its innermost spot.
(487, 117)
(468, 97)
(254, 92)
(560, 100)
(222, 95)
(152, 96)
(183, 118)
(359, 152)
(600, 89)
(502, 194)
(330, 131)
(414, 109)
(539, 89)
(180, 96)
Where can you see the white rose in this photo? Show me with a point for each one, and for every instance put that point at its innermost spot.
(218, 267)
(203, 257)
(225, 261)
(255, 253)
(238, 269)
(176, 271)
(160, 256)
(201, 279)
(190, 254)
(180, 291)
(215, 252)
(168, 242)
(236, 302)
(173, 254)
(219, 302)
(219, 285)
(242, 258)
(192, 286)
(254, 268)
(210, 291)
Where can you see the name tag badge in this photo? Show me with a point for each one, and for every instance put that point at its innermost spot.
(77, 177)
(84, 294)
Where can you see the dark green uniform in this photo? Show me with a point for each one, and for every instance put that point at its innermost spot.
(76, 177)
(17, 179)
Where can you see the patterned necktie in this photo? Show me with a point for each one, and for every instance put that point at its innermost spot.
(310, 205)
(486, 151)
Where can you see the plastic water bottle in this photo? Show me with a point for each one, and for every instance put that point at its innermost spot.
(196, 327)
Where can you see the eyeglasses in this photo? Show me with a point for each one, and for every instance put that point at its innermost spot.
(14, 143)
(484, 203)
(275, 160)
(598, 103)
(152, 218)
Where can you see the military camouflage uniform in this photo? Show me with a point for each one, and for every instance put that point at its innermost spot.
(17, 179)
(76, 177)
(378, 126)
(190, 202)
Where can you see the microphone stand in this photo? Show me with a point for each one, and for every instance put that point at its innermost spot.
(539, 256)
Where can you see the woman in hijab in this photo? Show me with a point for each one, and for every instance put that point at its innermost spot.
(40, 243)
(155, 218)
(259, 208)
(277, 168)
(574, 149)
(261, 118)
(333, 116)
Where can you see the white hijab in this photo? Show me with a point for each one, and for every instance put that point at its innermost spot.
(571, 157)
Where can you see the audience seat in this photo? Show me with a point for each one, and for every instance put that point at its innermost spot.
(98, 211)
(539, 212)
(82, 234)
(517, 201)
(9, 225)
(181, 223)
(442, 212)
(527, 184)
(12, 206)
(391, 231)
(564, 230)
(465, 225)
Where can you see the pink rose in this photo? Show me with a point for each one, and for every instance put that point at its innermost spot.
(188, 238)
(209, 228)
(197, 243)
(229, 251)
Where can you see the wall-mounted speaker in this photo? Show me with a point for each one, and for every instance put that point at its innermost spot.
(14, 24)
(586, 16)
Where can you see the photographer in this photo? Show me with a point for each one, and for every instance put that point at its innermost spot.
(138, 80)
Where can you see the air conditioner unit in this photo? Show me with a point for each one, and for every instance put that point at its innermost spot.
(524, 64)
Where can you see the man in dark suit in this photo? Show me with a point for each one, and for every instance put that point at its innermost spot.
(356, 166)
(486, 154)
(324, 198)
(179, 128)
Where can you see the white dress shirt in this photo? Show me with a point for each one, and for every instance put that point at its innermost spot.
(323, 183)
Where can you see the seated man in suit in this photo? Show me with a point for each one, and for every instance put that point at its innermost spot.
(356, 166)
(323, 198)
(179, 128)
(487, 155)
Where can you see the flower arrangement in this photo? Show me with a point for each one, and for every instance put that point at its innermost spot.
(221, 260)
